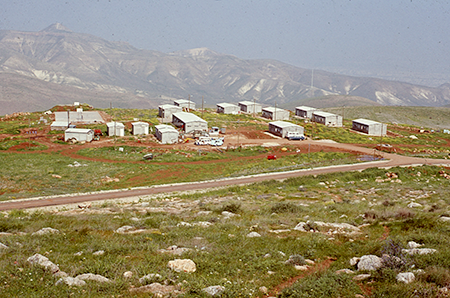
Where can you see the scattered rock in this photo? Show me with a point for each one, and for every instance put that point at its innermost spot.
(124, 229)
(149, 278)
(214, 290)
(253, 235)
(412, 244)
(353, 261)
(93, 277)
(77, 254)
(445, 218)
(301, 268)
(419, 251)
(56, 176)
(414, 205)
(227, 214)
(361, 277)
(175, 250)
(158, 289)
(2, 246)
(264, 290)
(127, 274)
(99, 253)
(346, 271)
(310, 262)
(70, 281)
(296, 260)
(182, 265)
(42, 261)
(369, 263)
(405, 277)
(45, 231)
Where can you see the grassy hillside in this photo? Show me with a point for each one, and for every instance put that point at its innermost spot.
(430, 117)
(330, 101)
(244, 239)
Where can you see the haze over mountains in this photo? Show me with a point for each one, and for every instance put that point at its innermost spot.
(57, 66)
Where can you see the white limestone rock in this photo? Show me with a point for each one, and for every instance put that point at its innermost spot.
(45, 231)
(406, 277)
(214, 290)
(42, 261)
(182, 265)
(369, 263)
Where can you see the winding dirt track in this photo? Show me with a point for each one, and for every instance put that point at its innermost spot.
(392, 160)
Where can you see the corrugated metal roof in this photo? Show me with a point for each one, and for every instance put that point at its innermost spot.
(325, 114)
(60, 123)
(170, 107)
(365, 121)
(305, 108)
(225, 104)
(188, 117)
(248, 103)
(79, 130)
(117, 124)
(164, 127)
(140, 123)
(273, 109)
(283, 124)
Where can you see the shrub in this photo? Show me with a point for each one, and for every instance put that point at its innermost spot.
(438, 275)
(326, 285)
(393, 256)
(231, 207)
(285, 207)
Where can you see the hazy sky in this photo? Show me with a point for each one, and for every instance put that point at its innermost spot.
(407, 40)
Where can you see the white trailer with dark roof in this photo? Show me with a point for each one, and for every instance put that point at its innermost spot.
(304, 111)
(327, 119)
(166, 134)
(274, 113)
(79, 134)
(184, 103)
(286, 129)
(249, 107)
(369, 127)
(189, 122)
(165, 112)
(227, 108)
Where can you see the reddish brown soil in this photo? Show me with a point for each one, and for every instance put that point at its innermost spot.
(319, 267)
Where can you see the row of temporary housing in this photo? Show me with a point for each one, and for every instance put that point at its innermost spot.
(166, 111)
(113, 129)
(362, 125)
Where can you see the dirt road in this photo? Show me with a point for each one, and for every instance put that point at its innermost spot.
(392, 160)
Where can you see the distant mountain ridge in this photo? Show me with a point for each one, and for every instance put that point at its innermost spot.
(101, 72)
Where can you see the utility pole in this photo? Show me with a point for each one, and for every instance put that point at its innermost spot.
(189, 103)
(202, 107)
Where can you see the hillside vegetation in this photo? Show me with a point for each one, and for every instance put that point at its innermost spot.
(297, 238)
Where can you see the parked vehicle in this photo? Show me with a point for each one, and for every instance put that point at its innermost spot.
(271, 157)
(295, 136)
(202, 141)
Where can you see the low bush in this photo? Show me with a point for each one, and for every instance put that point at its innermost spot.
(321, 286)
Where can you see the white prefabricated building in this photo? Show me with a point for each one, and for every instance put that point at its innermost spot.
(115, 129)
(166, 134)
(79, 134)
(281, 128)
(249, 107)
(59, 125)
(80, 116)
(165, 112)
(369, 127)
(184, 103)
(304, 111)
(227, 108)
(274, 113)
(139, 128)
(189, 122)
(326, 118)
